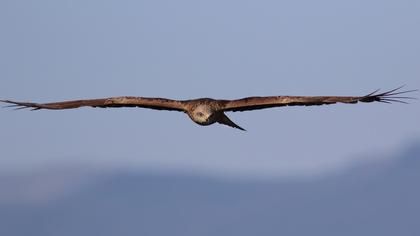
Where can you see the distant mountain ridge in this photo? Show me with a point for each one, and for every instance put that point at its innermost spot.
(379, 198)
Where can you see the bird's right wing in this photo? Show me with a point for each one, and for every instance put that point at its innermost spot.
(152, 103)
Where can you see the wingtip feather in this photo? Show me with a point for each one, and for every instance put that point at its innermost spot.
(389, 96)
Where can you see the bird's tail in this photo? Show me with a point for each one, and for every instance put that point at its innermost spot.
(226, 121)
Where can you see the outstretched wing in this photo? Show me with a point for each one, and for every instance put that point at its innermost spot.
(152, 103)
(254, 103)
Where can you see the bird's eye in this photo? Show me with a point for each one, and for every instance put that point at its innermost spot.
(200, 114)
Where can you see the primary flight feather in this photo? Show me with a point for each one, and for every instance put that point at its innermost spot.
(207, 111)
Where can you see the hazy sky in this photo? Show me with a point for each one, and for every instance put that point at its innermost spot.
(60, 50)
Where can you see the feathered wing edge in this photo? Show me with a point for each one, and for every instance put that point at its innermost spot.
(254, 103)
(151, 103)
(389, 96)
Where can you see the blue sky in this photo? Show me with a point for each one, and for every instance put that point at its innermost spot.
(61, 50)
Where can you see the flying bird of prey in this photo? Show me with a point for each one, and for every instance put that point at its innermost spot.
(207, 111)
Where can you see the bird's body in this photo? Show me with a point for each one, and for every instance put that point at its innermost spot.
(207, 111)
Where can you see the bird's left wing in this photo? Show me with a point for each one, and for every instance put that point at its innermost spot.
(152, 103)
(254, 103)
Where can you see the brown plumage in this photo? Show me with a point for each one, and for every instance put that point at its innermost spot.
(206, 111)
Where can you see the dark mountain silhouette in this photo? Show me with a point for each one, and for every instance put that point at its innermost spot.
(378, 198)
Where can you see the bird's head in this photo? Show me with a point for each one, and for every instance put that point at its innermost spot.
(203, 115)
